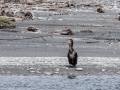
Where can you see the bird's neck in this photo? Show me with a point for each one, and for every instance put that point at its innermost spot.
(70, 48)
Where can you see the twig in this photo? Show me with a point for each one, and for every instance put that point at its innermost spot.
(28, 38)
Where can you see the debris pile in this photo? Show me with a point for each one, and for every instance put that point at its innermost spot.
(6, 11)
(25, 15)
(28, 2)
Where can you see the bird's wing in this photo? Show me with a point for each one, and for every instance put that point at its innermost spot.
(75, 56)
(69, 58)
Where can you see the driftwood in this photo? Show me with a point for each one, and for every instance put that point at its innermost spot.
(65, 31)
(86, 31)
(29, 2)
(93, 4)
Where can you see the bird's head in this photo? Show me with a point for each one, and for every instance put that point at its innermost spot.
(70, 42)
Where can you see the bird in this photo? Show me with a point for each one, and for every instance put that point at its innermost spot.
(72, 54)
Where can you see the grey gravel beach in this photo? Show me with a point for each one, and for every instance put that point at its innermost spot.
(38, 60)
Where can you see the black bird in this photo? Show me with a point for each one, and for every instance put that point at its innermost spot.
(72, 54)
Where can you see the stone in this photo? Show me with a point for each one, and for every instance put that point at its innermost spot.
(32, 28)
(71, 76)
(56, 72)
(100, 10)
(103, 70)
(79, 69)
(66, 31)
(48, 73)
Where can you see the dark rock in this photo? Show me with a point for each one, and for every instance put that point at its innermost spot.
(119, 18)
(71, 76)
(12, 19)
(86, 31)
(32, 29)
(100, 10)
(2, 13)
(28, 15)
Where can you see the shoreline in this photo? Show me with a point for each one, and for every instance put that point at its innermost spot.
(49, 66)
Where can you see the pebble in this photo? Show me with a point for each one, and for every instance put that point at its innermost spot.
(38, 72)
(32, 71)
(79, 69)
(48, 73)
(56, 72)
(118, 72)
(103, 70)
(31, 68)
(86, 73)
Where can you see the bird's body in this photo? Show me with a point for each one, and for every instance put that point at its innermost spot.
(72, 54)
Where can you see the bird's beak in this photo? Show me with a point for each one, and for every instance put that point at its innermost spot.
(68, 41)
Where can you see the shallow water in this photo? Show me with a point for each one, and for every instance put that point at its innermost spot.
(59, 83)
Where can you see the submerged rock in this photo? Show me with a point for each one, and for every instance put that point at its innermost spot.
(71, 76)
